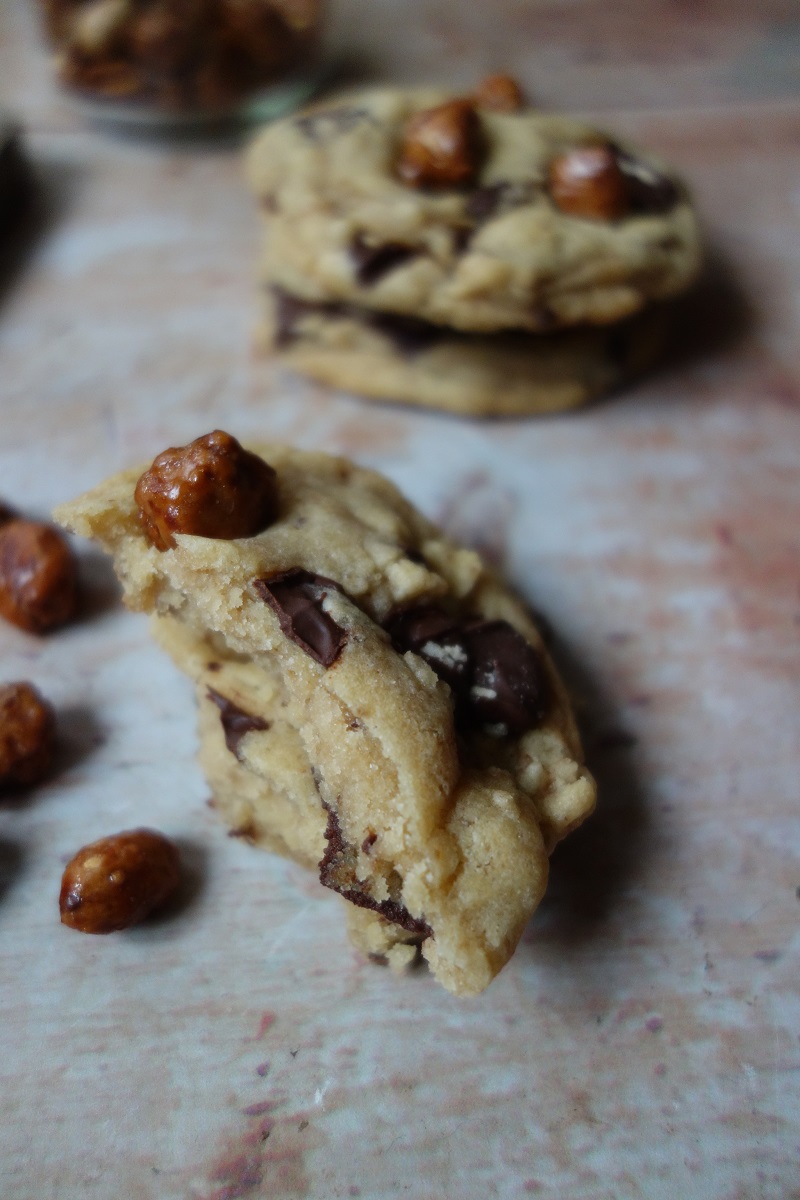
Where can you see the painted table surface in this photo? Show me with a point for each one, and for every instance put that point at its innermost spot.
(645, 1040)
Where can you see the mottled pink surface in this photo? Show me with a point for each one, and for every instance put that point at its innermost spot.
(645, 1040)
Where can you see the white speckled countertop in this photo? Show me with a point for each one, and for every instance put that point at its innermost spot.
(645, 1040)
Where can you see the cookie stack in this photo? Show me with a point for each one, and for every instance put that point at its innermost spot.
(465, 253)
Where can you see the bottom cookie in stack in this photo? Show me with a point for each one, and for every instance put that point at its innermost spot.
(395, 358)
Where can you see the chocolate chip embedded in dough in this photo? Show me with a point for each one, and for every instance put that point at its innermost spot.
(296, 598)
(337, 871)
(288, 311)
(649, 191)
(409, 335)
(235, 721)
(487, 201)
(508, 687)
(432, 634)
(372, 262)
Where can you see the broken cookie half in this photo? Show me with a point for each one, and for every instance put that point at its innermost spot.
(373, 702)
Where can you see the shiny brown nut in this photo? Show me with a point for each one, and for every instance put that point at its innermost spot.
(588, 182)
(499, 93)
(118, 881)
(212, 488)
(27, 735)
(38, 576)
(441, 147)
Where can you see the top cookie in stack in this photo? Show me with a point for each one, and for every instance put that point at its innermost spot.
(465, 252)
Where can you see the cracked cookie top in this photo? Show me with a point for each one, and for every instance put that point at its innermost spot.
(437, 207)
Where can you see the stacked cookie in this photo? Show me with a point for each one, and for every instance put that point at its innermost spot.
(374, 702)
(467, 254)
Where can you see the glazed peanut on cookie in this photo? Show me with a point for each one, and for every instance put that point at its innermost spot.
(211, 488)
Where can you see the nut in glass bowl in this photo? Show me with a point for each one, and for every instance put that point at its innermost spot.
(179, 61)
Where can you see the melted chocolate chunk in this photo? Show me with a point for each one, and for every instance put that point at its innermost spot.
(331, 121)
(649, 191)
(508, 686)
(288, 311)
(485, 202)
(497, 678)
(296, 599)
(235, 721)
(373, 262)
(434, 636)
(409, 335)
(462, 238)
(337, 871)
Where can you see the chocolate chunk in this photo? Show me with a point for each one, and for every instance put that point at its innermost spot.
(296, 598)
(235, 721)
(462, 238)
(508, 686)
(434, 636)
(337, 871)
(649, 191)
(497, 678)
(373, 262)
(317, 125)
(485, 202)
(409, 335)
(288, 311)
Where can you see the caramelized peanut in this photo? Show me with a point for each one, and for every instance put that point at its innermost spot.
(27, 735)
(441, 146)
(212, 488)
(118, 881)
(38, 576)
(499, 93)
(588, 182)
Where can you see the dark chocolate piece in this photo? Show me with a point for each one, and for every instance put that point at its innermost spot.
(508, 686)
(372, 262)
(337, 871)
(235, 721)
(497, 678)
(434, 636)
(289, 310)
(485, 202)
(409, 334)
(296, 599)
(649, 191)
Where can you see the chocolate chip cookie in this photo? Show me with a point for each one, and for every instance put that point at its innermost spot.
(374, 703)
(439, 208)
